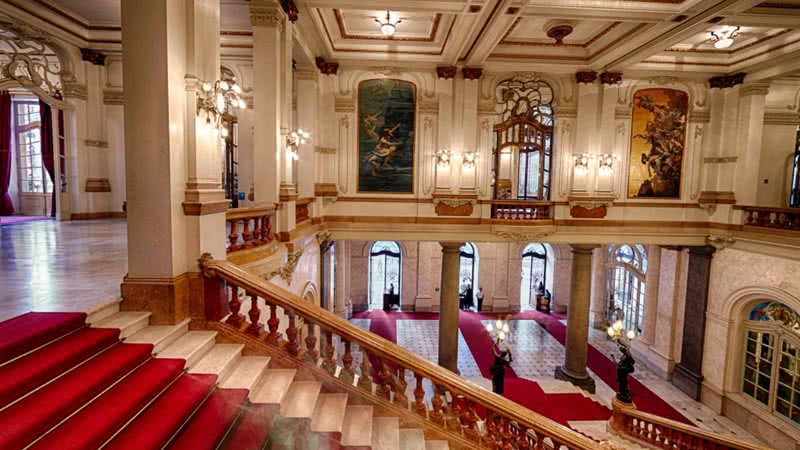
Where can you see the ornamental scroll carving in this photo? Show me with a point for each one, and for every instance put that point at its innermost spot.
(454, 207)
(287, 270)
(524, 96)
(523, 237)
(26, 58)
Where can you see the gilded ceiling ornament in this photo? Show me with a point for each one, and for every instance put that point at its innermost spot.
(26, 58)
(287, 270)
(523, 237)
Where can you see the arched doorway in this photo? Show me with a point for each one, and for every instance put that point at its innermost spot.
(534, 275)
(468, 275)
(384, 274)
(625, 285)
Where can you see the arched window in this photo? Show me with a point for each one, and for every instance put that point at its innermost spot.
(467, 268)
(534, 273)
(771, 372)
(523, 139)
(384, 271)
(625, 276)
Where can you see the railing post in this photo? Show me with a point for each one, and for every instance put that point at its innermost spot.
(235, 304)
(292, 346)
(254, 314)
(273, 337)
(233, 237)
(311, 344)
(348, 374)
(215, 300)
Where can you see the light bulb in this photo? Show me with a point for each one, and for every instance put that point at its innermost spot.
(489, 328)
(224, 132)
(631, 334)
(723, 43)
(502, 335)
(388, 29)
(224, 85)
(207, 87)
(220, 103)
(618, 325)
(498, 324)
(610, 331)
(242, 104)
(505, 327)
(236, 88)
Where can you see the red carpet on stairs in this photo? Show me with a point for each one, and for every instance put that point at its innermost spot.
(101, 418)
(36, 368)
(24, 333)
(209, 424)
(32, 416)
(153, 428)
(253, 427)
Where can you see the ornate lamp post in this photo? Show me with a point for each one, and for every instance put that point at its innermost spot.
(625, 363)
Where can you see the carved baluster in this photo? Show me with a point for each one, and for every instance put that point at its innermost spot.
(365, 378)
(246, 235)
(311, 344)
(273, 337)
(523, 441)
(235, 319)
(233, 237)
(254, 314)
(292, 346)
(328, 352)
(437, 411)
(453, 414)
(385, 381)
(400, 386)
(538, 443)
(469, 418)
(256, 232)
(347, 374)
(266, 228)
(506, 434)
(419, 396)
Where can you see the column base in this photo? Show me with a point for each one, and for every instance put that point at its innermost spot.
(586, 383)
(170, 300)
(687, 381)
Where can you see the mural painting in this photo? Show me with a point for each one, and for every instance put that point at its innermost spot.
(386, 132)
(658, 138)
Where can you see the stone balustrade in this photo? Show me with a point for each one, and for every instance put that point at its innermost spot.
(521, 210)
(248, 227)
(781, 218)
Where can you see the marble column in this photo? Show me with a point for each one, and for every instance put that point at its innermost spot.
(448, 306)
(688, 376)
(574, 368)
(651, 294)
(597, 315)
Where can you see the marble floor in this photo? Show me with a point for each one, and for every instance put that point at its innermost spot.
(48, 265)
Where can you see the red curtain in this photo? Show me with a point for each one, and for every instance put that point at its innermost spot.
(6, 207)
(47, 147)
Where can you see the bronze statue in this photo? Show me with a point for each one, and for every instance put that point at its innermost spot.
(624, 368)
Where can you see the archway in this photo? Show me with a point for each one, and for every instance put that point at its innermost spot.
(385, 280)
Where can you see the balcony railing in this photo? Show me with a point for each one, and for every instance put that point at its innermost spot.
(521, 210)
(439, 397)
(301, 210)
(658, 432)
(781, 218)
(248, 227)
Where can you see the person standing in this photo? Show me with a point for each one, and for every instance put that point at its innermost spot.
(479, 298)
(469, 298)
(502, 359)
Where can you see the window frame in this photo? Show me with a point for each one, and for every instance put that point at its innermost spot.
(22, 161)
(472, 258)
(528, 252)
(385, 254)
(633, 270)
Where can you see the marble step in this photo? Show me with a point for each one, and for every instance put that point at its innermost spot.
(100, 312)
(128, 322)
(412, 439)
(437, 445)
(357, 426)
(300, 400)
(160, 336)
(219, 360)
(274, 386)
(329, 413)
(246, 374)
(191, 347)
(598, 430)
(385, 433)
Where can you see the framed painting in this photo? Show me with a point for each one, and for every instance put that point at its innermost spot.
(386, 134)
(658, 139)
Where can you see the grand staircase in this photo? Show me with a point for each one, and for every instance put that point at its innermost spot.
(110, 380)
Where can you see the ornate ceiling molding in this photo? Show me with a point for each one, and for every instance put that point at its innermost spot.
(446, 72)
(472, 73)
(29, 57)
(326, 67)
(524, 236)
(611, 78)
(261, 15)
(93, 56)
(726, 81)
(587, 77)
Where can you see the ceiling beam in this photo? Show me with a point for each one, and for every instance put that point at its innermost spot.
(441, 6)
(504, 13)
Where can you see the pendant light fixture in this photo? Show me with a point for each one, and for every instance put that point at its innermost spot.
(388, 26)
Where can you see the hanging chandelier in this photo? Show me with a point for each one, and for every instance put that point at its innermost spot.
(222, 97)
(724, 38)
(388, 26)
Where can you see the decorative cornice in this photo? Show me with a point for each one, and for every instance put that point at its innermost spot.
(113, 97)
(622, 113)
(344, 105)
(700, 116)
(566, 111)
(486, 108)
(75, 90)
(290, 9)
(325, 150)
(446, 72)
(720, 242)
(588, 77)
(472, 73)
(429, 107)
(754, 89)
(204, 208)
(325, 190)
(266, 16)
(523, 237)
(326, 67)
(93, 56)
(781, 118)
(611, 78)
(726, 81)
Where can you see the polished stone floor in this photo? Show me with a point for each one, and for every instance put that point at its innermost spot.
(60, 266)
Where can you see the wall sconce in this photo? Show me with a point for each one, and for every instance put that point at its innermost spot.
(293, 140)
(606, 163)
(442, 157)
(582, 163)
(469, 159)
(222, 97)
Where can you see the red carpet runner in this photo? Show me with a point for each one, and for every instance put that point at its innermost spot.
(559, 407)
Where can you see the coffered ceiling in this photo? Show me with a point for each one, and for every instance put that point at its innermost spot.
(665, 36)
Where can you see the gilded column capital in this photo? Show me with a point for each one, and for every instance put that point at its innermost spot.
(266, 15)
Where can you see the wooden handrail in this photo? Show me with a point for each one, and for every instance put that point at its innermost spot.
(250, 212)
(516, 202)
(661, 432)
(512, 414)
(248, 227)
